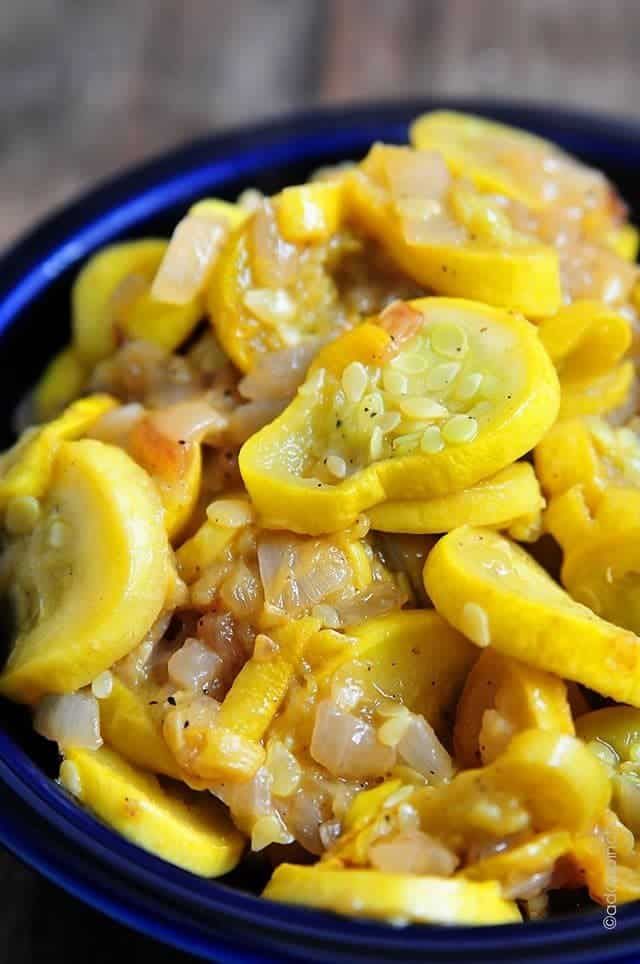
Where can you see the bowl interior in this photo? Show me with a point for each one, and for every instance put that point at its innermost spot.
(35, 280)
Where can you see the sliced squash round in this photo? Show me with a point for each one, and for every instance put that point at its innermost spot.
(438, 395)
(61, 382)
(25, 469)
(496, 594)
(506, 160)
(511, 494)
(447, 236)
(602, 570)
(129, 727)
(91, 576)
(189, 830)
(397, 898)
(292, 277)
(176, 469)
(617, 726)
(518, 863)
(597, 394)
(585, 338)
(505, 798)
(111, 299)
(501, 697)
(412, 657)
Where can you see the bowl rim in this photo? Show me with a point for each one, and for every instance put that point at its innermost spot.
(120, 879)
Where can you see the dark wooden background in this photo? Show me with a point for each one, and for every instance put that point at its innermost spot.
(89, 86)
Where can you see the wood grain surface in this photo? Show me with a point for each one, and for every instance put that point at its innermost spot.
(89, 86)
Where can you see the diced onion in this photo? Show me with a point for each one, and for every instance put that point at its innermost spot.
(189, 421)
(248, 419)
(346, 746)
(297, 576)
(114, 426)
(329, 832)
(279, 374)
(193, 665)
(421, 749)
(71, 719)
(275, 262)
(247, 800)
(413, 852)
(417, 174)
(381, 598)
(189, 259)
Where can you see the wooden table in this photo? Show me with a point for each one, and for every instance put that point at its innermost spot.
(87, 88)
(90, 87)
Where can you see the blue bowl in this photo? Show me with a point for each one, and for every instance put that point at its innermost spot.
(225, 920)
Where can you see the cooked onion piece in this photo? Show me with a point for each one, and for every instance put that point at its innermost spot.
(190, 258)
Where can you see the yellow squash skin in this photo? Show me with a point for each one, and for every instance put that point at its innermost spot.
(103, 310)
(213, 207)
(366, 817)
(568, 456)
(596, 394)
(402, 898)
(588, 468)
(491, 590)
(180, 500)
(625, 241)
(504, 160)
(62, 381)
(507, 794)
(204, 546)
(520, 277)
(163, 324)
(25, 469)
(592, 858)
(521, 861)
(191, 832)
(472, 146)
(128, 727)
(602, 554)
(498, 501)
(585, 338)
(97, 593)
(516, 697)
(272, 461)
(617, 726)
(224, 305)
(411, 656)
(310, 212)
(307, 214)
(590, 453)
(177, 481)
(366, 805)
